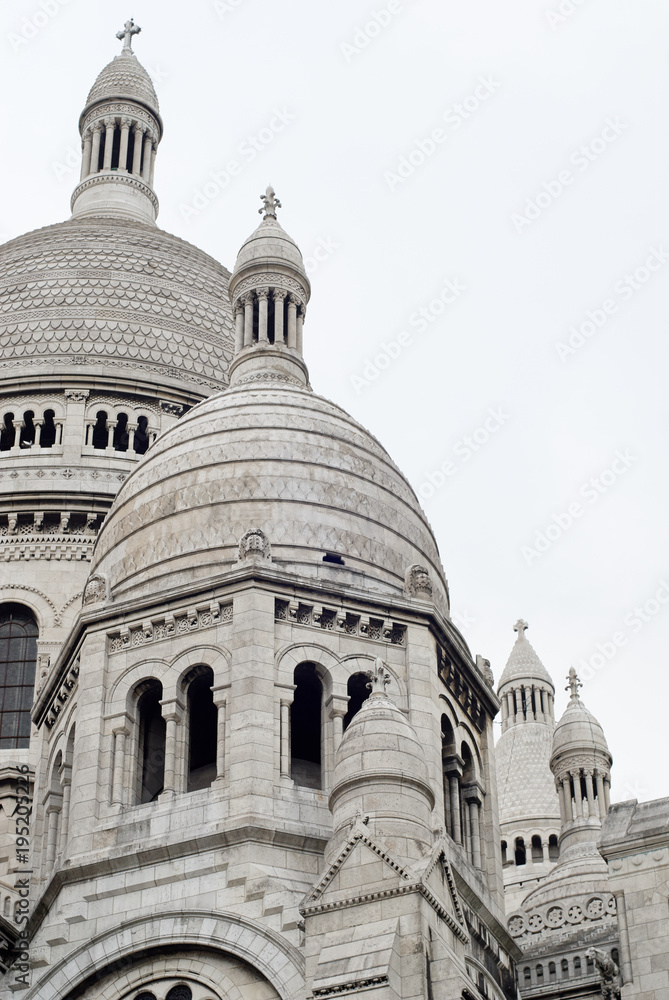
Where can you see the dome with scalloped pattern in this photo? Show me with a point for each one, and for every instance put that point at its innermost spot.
(524, 663)
(268, 243)
(525, 784)
(88, 296)
(124, 78)
(578, 731)
(267, 455)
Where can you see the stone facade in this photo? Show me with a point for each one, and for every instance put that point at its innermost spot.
(635, 843)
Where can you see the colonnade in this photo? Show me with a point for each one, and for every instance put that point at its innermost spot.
(269, 316)
(526, 702)
(583, 793)
(101, 134)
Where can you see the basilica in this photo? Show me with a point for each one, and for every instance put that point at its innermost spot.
(245, 753)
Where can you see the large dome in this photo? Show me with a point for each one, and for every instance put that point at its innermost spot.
(276, 458)
(88, 295)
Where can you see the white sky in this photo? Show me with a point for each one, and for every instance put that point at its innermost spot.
(223, 69)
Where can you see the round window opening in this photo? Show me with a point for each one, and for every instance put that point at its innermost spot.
(180, 993)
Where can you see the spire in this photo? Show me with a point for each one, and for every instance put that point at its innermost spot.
(525, 687)
(120, 130)
(269, 291)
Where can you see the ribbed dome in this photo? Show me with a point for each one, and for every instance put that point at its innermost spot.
(95, 293)
(124, 78)
(269, 242)
(577, 730)
(275, 458)
(524, 663)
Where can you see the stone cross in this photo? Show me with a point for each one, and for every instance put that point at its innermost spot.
(379, 678)
(573, 685)
(270, 203)
(129, 29)
(520, 627)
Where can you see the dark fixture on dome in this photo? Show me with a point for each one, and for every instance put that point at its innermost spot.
(332, 557)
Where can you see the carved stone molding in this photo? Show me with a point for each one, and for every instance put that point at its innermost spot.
(177, 623)
(108, 177)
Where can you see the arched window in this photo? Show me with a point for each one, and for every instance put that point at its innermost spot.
(100, 432)
(552, 973)
(564, 968)
(520, 858)
(7, 432)
(614, 956)
(120, 439)
(202, 730)
(553, 849)
(527, 975)
(47, 437)
(589, 965)
(505, 860)
(27, 437)
(142, 436)
(145, 996)
(18, 659)
(151, 742)
(6, 905)
(540, 975)
(451, 777)
(180, 993)
(305, 727)
(577, 966)
(358, 689)
(537, 849)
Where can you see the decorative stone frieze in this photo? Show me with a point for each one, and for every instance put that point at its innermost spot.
(168, 626)
(456, 682)
(337, 620)
(62, 694)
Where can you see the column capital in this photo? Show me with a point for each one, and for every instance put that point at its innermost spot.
(109, 121)
(172, 710)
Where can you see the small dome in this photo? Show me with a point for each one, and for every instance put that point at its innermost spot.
(124, 78)
(578, 730)
(524, 663)
(269, 243)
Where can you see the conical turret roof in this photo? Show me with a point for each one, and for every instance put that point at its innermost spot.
(523, 663)
(578, 729)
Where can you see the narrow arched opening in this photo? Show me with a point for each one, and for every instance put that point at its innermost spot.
(202, 730)
(151, 742)
(27, 437)
(553, 848)
(358, 690)
(519, 851)
(120, 439)
(47, 437)
(305, 727)
(8, 432)
(537, 849)
(142, 436)
(100, 431)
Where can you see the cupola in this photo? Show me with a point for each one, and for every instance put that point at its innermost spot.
(120, 130)
(525, 688)
(269, 291)
(581, 763)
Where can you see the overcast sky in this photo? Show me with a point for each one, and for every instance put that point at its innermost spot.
(480, 190)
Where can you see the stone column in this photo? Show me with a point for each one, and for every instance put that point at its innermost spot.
(110, 425)
(86, 155)
(146, 167)
(66, 785)
(131, 428)
(300, 325)
(18, 427)
(454, 788)
(607, 793)
(601, 801)
(292, 322)
(139, 131)
(109, 142)
(52, 823)
(239, 326)
(263, 297)
(118, 769)
(448, 819)
(467, 830)
(248, 319)
(95, 148)
(475, 832)
(172, 716)
(221, 702)
(38, 422)
(279, 298)
(337, 728)
(123, 150)
(623, 934)
(591, 794)
(285, 738)
(154, 150)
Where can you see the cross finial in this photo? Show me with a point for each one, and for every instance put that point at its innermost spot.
(520, 627)
(129, 29)
(270, 203)
(379, 678)
(573, 685)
